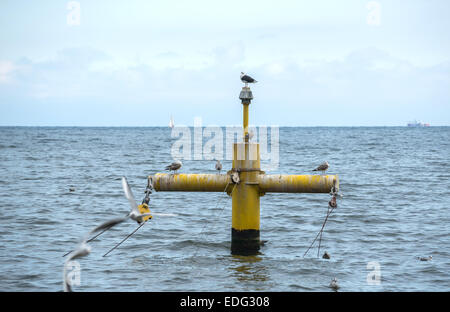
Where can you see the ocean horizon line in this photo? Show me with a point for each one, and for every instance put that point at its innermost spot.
(230, 125)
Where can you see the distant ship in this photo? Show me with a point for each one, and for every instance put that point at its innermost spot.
(171, 124)
(417, 123)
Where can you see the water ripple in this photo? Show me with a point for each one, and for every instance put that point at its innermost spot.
(394, 209)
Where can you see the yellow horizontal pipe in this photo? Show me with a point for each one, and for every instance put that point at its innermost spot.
(181, 182)
(279, 183)
(275, 183)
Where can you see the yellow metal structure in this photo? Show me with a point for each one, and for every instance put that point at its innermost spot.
(144, 209)
(245, 219)
(246, 192)
(190, 182)
(245, 122)
(283, 183)
(266, 183)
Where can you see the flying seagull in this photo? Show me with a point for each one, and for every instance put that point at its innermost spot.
(103, 228)
(174, 166)
(322, 167)
(134, 214)
(247, 79)
(218, 166)
(83, 250)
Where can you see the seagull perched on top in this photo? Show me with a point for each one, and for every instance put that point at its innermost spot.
(174, 166)
(247, 79)
(322, 167)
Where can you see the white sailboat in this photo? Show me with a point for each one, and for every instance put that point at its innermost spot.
(171, 124)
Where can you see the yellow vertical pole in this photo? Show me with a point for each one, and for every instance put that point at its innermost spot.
(245, 197)
(245, 123)
(245, 200)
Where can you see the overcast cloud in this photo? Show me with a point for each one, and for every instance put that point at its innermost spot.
(135, 65)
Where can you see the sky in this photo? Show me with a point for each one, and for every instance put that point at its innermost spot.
(136, 63)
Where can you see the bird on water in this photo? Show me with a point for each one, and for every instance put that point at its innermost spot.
(322, 167)
(334, 284)
(429, 258)
(174, 166)
(218, 166)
